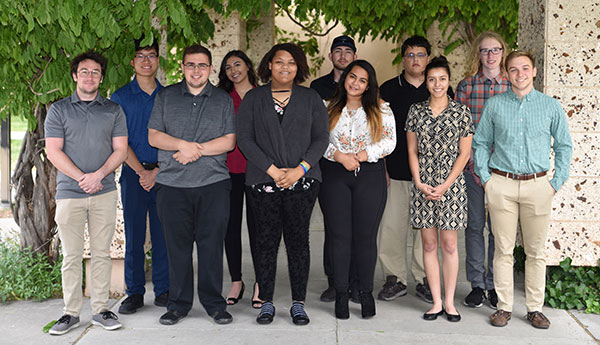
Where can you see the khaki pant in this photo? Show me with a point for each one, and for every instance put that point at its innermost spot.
(71, 215)
(394, 232)
(511, 201)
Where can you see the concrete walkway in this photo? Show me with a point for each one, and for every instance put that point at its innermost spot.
(396, 322)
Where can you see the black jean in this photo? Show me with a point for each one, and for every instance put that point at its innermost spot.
(233, 239)
(354, 205)
(288, 213)
(197, 215)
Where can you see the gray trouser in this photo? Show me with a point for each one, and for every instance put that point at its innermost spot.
(474, 238)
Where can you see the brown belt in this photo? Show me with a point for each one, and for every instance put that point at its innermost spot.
(523, 177)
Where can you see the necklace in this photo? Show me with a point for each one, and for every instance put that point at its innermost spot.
(282, 103)
(280, 91)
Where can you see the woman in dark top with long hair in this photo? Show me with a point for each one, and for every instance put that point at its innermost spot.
(237, 76)
(354, 191)
(282, 130)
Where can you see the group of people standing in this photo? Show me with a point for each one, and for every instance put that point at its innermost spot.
(380, 160)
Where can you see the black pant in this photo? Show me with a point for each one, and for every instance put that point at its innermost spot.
(198, 215)
(233, 239)
(353, 204)
(286, 212)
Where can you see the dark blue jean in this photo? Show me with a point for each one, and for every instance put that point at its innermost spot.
(137, 203)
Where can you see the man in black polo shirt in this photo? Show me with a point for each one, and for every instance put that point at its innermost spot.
(193, 126)
(343, 52)
(401, 92)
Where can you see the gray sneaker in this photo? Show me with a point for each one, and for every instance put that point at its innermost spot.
(107, 319)
(64, 324)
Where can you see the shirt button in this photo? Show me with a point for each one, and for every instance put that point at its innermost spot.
(194, 104)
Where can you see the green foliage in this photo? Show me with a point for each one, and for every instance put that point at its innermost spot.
(569, 287)
(25, 275)
(519, 259)
(39, 38)
(460, 20)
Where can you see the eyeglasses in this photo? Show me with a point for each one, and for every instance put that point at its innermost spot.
(86, 73)
(415, 56)
(150, 57)
(192, 66)
(494, 51)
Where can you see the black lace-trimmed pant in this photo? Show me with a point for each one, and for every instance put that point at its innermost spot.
(288, 213)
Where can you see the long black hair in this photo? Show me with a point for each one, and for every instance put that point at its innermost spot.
(370, 100)
(224, 82)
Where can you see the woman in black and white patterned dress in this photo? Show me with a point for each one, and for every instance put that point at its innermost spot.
(439, 134)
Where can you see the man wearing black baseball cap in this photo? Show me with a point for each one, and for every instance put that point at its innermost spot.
(343, 52)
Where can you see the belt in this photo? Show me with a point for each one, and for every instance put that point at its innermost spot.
(523, 177)
(150, 166)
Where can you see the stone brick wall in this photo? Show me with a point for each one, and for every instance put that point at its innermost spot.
(564, 35)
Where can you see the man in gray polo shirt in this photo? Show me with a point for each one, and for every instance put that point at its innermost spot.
(86, 140)
(193, 126)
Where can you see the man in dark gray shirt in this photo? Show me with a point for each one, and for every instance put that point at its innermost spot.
(86, 140)
(193, 126)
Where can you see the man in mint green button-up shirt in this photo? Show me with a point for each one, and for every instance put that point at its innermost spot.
(512, 157)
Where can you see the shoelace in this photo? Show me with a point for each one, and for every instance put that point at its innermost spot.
(109, 315)
(267, 308)
(64, 319)
(297, 310)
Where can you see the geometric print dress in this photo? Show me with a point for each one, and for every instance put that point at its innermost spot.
(438, 148)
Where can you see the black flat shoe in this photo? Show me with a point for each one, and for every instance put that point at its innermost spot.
(234, 300)
(367, 304)
(162, 299)
(341, 305)
(453, 317)
(256, 303)
(433, 316)
(170, 318)
(267, 313)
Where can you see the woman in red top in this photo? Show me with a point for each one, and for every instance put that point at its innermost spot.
(237, 77)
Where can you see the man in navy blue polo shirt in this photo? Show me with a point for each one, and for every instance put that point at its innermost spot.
(137, 181)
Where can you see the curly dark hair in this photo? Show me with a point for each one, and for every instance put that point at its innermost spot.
(224, 82)
(89, 55)
(297, 53)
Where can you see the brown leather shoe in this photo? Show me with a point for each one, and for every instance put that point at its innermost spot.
(500, 318)
(538, 320)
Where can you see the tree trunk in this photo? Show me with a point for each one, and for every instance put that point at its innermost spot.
(35, 181)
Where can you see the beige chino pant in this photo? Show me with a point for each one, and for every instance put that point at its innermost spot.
(511, 201)
(394, 233)
(71, 215)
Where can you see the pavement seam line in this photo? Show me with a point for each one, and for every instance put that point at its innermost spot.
(85, 331)
(585, 328)
(337, 331)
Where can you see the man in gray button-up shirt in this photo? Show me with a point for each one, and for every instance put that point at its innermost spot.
(86, 140)
(193, 126)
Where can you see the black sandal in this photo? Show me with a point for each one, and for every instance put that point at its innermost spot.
(234, 300)
(256, 303)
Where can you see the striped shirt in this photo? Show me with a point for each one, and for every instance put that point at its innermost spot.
(474, 91)
(520, 132)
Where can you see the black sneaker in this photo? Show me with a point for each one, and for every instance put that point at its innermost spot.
(354, 296)
(475, 298)
(423, 291)
(171, 317)
(391, 289)
(298, 314)
(222, 317)
(162, 299)
(492, 298)
(328, 295)
(267, 313)
(131, 304)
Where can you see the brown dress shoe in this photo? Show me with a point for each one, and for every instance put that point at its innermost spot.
(538, 320)
(500, 318)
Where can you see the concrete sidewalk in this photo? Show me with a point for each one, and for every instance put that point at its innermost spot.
(396, 322)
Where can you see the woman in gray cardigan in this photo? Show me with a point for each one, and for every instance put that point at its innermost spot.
(282, 129)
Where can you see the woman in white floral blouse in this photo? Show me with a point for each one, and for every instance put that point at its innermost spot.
(353, 192)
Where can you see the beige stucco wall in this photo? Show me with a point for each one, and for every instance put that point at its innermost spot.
(565, 38)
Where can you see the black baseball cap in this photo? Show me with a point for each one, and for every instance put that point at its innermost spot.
(343, 41)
